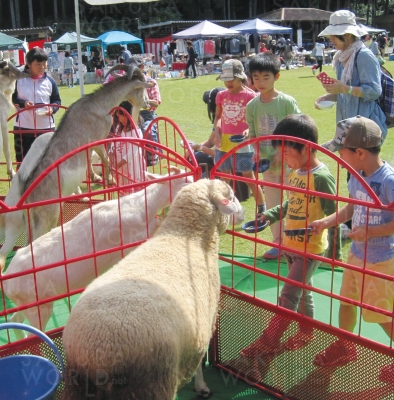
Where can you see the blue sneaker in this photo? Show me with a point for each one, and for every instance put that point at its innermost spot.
(272, 254)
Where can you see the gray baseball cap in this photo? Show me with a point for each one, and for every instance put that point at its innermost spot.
(356, 133)
(232, 69)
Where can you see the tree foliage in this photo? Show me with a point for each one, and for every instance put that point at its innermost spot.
(96, 20)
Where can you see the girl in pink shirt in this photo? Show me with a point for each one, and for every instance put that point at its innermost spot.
(230, 120)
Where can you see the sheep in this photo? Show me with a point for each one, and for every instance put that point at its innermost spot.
(140, 330)
(12, 223)
(86, 121)
(91, 231)
(9, 74)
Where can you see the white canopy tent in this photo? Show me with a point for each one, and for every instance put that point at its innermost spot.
(205, 29)
(372, 30)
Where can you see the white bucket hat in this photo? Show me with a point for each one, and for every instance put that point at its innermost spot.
(342, 22)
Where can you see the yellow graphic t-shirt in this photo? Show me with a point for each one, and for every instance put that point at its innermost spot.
(302, 208)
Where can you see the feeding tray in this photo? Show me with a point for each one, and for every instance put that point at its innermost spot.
(325, 104)
(237, 138)
(262, 165)
(254, 226)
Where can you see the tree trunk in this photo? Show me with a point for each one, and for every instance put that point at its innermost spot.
(17, 14)
(64, 14)
(368, 11)
(12, 12)
(31, 19)
(373, 13)
(55, 12)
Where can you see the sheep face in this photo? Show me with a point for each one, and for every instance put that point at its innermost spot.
(207, 203)
(222, 196)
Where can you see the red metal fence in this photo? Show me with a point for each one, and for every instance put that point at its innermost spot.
(249, 300)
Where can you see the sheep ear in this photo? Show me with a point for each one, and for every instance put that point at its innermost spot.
(174, 170)
(226, 206)
(150, 177)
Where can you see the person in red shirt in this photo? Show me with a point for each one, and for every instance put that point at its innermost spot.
(263, 48)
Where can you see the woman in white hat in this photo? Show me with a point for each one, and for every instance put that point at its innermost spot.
(357, 86)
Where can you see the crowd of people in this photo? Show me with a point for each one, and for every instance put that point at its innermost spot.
(360, 133)
(252, 107)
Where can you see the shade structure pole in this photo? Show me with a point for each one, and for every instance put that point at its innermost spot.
(79, 48)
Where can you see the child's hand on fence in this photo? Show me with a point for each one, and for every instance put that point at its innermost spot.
(317, 226)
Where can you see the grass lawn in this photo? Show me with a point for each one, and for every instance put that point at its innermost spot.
(182, 102)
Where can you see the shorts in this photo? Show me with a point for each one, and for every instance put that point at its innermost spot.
(243, 162)
(99, 72)
(68, 71)
(377, 292)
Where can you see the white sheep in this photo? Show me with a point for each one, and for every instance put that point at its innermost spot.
(12, 224)
(141, 329)
(93, 230)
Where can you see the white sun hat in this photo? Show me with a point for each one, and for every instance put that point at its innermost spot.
(342, 22)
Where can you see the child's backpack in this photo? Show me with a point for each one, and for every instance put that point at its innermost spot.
(386, 99)
(209, 98)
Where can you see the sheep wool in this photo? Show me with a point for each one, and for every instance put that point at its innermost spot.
(99, 229)
(141, 329)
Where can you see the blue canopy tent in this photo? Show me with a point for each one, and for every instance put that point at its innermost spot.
(259, 27)
(119, 37)
(205, 29)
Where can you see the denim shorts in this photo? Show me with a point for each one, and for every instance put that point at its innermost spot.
(243, 162)
(68, 71)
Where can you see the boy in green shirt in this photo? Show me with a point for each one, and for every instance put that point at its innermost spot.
(301, 208)
(262, 115)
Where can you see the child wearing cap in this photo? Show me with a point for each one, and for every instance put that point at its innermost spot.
(263, 114)
(311, 174)
(358, 141)
(230, 119)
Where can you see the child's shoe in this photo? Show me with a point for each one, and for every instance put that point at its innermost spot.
(314, 69)
(337, 354)
(272, 254)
